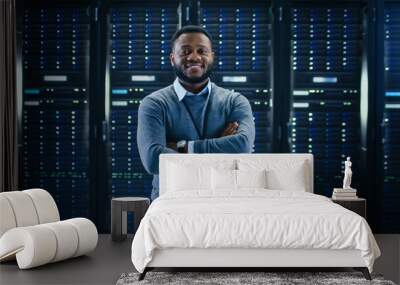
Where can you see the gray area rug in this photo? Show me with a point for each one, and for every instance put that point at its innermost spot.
(269, 278)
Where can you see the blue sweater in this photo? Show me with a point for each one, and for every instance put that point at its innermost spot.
(195, 105)
(163, 118)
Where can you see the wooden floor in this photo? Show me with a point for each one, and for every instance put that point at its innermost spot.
(111, 259)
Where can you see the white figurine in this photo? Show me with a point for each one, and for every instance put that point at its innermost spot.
(347, 174)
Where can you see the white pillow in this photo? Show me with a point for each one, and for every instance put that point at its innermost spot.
(289, 175)
(181, 177)
(292, 179)
(186, 174)
(251, 178)
(225, 179)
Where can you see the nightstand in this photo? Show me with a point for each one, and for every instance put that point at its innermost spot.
(358, 205)
(119, 208)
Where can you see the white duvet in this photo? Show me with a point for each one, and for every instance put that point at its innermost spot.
(250, 219)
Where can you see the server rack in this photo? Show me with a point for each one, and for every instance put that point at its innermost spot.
(55, 128)
(389, 180)
(326, 64)
(242, 42)
(138, 64)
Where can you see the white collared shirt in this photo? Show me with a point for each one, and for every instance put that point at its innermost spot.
(181, 92)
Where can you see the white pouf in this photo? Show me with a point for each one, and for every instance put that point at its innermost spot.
(31, 230)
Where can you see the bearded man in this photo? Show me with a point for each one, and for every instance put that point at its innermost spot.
(192, 115)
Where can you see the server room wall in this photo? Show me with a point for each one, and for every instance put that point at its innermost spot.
(322, 78)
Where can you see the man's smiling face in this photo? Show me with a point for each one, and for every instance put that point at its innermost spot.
(192, 58)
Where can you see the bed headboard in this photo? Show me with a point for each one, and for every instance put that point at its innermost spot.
(211, 159)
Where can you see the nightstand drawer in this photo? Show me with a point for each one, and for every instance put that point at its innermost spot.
(358, 205)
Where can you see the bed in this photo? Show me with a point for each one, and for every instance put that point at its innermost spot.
(246, 211)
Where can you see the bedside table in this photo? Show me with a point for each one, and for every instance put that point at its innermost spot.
(119, 208)
(358, 205)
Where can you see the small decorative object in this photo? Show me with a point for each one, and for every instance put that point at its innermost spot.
(347, 192)
(347, 174)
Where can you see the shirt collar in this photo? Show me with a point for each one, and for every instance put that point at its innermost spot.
(181, 92)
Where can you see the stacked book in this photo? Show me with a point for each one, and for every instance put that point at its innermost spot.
(344, 194)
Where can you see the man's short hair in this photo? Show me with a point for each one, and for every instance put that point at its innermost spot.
(188, 30)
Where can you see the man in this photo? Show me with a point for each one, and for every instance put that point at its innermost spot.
(192, 115)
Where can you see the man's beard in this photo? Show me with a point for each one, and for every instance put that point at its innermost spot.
(192, 80)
